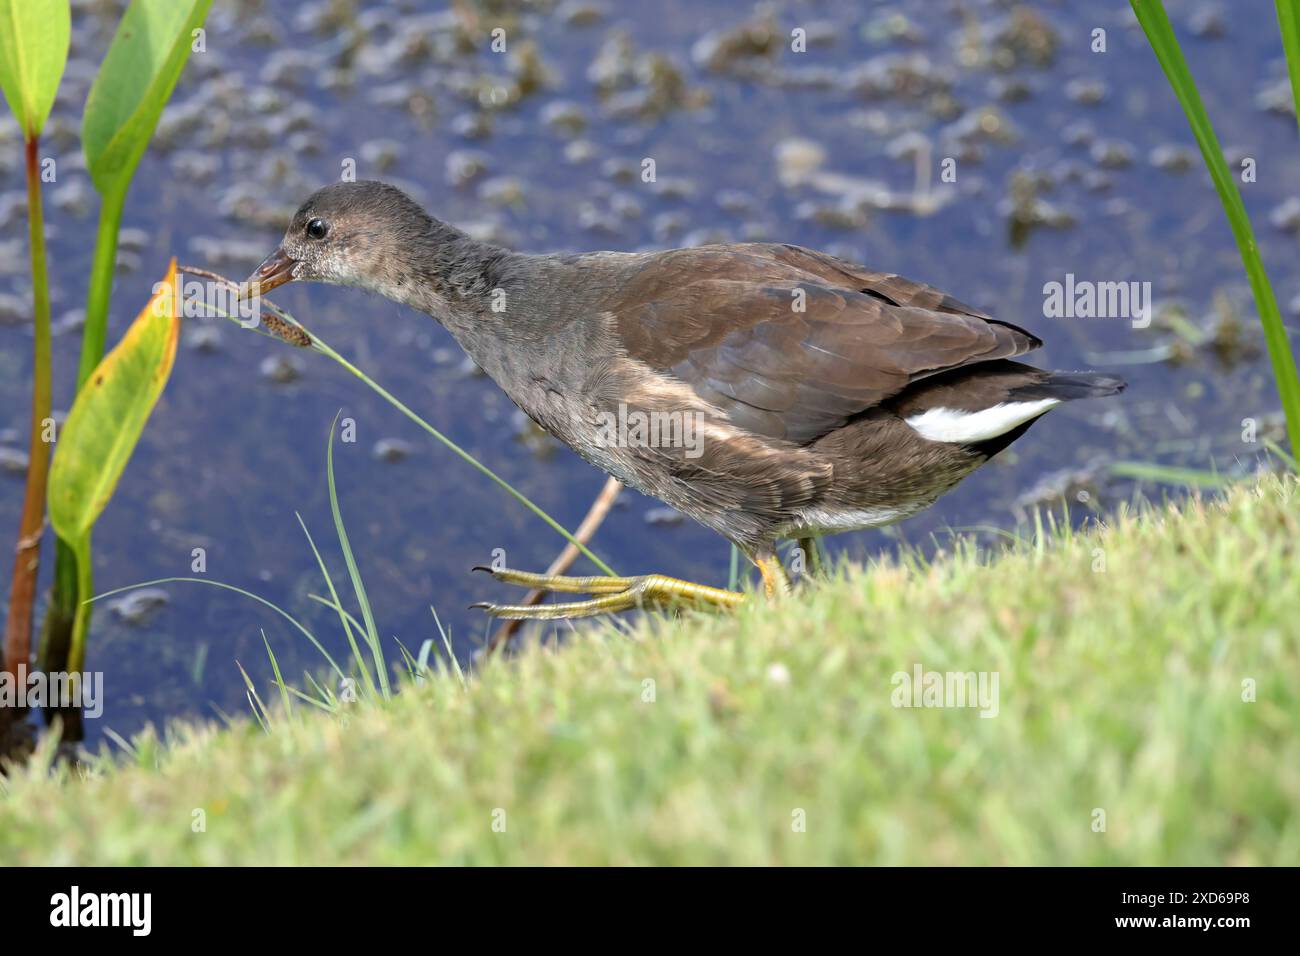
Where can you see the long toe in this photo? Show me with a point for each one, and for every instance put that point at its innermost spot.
(597, 584)
(648, 592)
(607, 604)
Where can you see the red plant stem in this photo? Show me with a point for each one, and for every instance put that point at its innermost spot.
(22, 591)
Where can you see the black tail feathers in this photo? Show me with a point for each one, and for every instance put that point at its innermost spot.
(1068, 386)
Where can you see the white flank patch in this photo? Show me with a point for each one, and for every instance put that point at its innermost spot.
(954, 425)
(815, 522)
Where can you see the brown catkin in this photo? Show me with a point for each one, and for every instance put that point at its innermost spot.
(286, 331)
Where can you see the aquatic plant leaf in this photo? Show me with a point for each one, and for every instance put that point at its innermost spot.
(34, 38)
(110, 413)
(1288, 23)
(137, 77)
(1153, 19)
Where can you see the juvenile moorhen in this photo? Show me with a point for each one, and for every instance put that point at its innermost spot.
(801, 395)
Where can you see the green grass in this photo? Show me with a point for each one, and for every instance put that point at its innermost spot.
(1121, 656)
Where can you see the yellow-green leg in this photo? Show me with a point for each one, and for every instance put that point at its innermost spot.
(645, 592)
(812, 558)
(775, 581)
(613, 594)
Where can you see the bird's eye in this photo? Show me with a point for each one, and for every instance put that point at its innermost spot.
(317, 228)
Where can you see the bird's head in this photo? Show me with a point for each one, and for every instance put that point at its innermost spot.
(356, 234)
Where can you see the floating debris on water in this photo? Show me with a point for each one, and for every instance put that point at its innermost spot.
(463, 166)
(1287, 215)
(280, 369)
(1173, 158)
(204, 337)
(1024, 39)
(1026, 210)
(139, 606)
(1071, 487)
(564, 116)
(1111, 154)
(391, 450)
(732, 50)
(1086, 92)
(13, 461)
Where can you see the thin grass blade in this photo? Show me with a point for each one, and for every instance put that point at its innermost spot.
(337, 605)
(367, 615)
(1160, 33)
(238, 590)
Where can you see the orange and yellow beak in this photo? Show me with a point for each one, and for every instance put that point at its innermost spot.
(275, 270)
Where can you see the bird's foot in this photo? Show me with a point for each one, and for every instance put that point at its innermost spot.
(612, 594)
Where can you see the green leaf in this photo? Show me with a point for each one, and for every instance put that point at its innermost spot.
(33, 51)
(135, 80)
(1288, 23)
(110, 413)
(1164, 43)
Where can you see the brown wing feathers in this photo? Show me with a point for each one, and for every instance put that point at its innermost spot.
(735, 333)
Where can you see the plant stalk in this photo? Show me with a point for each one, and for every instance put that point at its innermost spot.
(100, 291)
(58, 639)
(22, 591)
(81, 622)
(56, 629)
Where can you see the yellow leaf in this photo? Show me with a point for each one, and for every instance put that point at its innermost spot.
(110, 413)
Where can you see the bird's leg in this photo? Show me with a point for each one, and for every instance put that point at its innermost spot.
(646, 591)
(775, 581)
(812, 559)
(614, 594)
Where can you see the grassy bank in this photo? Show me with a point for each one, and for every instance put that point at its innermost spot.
(1120, 658)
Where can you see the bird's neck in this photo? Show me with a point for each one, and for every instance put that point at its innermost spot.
(449, 275)
(474, 289)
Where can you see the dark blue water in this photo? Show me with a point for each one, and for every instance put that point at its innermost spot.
(276, 107)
